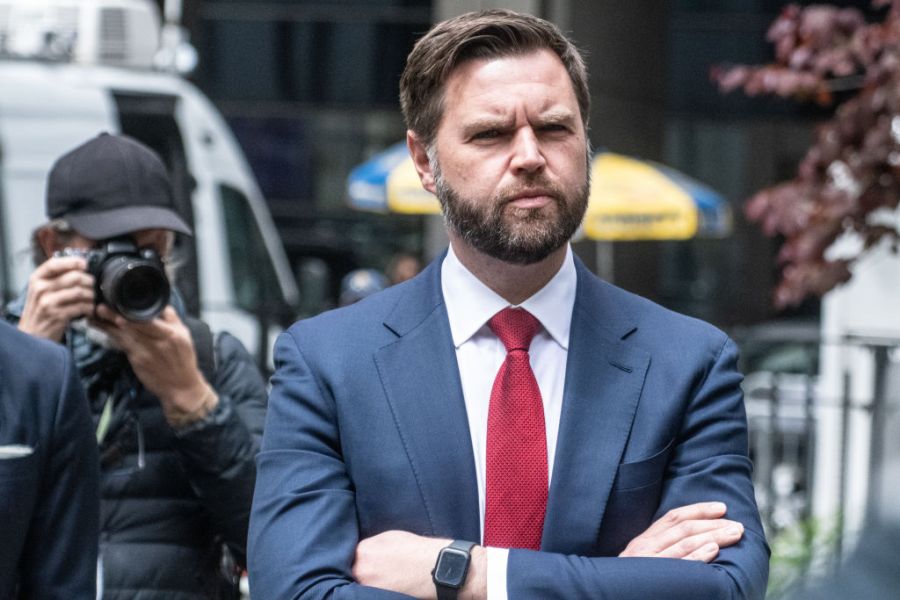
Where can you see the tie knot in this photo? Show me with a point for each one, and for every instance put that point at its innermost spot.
(515, 327)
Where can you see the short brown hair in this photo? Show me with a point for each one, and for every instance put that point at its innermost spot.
(484, 34)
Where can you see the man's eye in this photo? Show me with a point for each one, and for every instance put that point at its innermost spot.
(553, 128)
(487, 134)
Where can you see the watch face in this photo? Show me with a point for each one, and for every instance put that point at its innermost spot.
(451, 568)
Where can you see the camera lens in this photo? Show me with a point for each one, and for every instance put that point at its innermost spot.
(135, 287)
(141, 288)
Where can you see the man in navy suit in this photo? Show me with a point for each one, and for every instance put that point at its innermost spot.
(49, 492)
(505, 424)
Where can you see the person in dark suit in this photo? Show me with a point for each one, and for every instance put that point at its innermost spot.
(505, 424)
(49, 491)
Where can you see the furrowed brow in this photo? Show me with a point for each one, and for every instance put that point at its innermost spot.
(557, 116)
(485, 123)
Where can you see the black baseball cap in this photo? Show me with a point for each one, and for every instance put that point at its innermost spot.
(112, 185)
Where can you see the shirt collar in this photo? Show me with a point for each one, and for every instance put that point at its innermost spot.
(470, 303)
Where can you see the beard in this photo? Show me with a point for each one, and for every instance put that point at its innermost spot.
(520, 236)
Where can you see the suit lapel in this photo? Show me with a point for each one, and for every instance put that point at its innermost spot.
(604, 378)
(420, 376)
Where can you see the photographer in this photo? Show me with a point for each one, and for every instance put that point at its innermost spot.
(178, 413)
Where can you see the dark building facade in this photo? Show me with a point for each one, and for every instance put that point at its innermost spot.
(310, 89)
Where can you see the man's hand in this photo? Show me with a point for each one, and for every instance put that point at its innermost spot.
(402, 562)
(693, 532)
(59, 290)
(161, 353)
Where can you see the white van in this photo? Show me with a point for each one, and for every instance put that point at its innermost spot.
(70, 69)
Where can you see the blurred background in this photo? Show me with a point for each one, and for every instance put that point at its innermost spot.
(309, 91)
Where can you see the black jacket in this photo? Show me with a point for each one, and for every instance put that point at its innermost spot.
(161, 525)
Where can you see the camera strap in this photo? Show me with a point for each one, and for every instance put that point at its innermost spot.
(204, 347)
(105, 418)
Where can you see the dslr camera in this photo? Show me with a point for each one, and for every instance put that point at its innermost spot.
(130, 280)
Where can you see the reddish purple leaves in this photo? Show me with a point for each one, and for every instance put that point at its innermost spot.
(834, 57)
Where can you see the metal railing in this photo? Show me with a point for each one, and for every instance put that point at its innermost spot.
(847, 403)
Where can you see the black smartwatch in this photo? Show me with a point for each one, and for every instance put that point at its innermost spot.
(451, 568)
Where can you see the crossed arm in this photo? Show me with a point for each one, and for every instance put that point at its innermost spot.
(305, 539)
(401, 561)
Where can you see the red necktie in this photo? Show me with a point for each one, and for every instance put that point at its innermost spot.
(516, 495)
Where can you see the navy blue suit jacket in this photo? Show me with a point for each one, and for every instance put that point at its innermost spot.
(367, 431)
(49, 494)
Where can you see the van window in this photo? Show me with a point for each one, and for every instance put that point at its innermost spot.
(150, 118)
(256, 286)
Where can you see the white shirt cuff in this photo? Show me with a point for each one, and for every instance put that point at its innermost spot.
(496, 572)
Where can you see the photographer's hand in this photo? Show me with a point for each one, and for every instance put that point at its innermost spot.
(59, 290)
(161, 353)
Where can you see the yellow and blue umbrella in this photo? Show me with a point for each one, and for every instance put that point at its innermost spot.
(630, 199)
(633, 199)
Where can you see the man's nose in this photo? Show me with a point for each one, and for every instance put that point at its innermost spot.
(527, 154)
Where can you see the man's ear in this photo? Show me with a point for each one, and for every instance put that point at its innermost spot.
(420, 160)
(48, 240)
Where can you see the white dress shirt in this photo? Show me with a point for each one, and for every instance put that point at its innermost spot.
(480, 353)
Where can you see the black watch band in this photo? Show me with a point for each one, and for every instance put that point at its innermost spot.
(451, 568)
